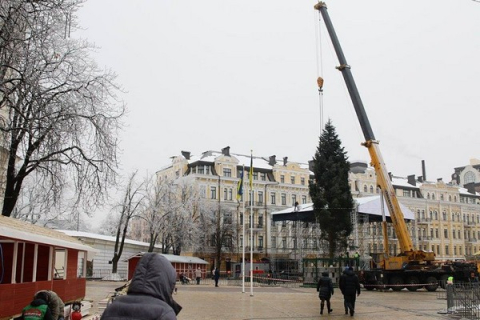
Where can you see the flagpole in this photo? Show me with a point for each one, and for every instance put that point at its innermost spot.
(243, 237)
(251, 223)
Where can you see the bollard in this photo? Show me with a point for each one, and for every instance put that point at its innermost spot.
(449, 298)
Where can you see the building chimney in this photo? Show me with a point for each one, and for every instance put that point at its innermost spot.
(390, 175)
(470, 187)
(226, 151)
(311, 165)
(411, 180)
(186, 154)
(424, 171)
(272, 160)
(420, 179)
(439, 179)
(285, 160)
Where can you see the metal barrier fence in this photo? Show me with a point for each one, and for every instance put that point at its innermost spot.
(463, 300)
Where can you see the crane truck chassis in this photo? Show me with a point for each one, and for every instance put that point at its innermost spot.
(412, 268)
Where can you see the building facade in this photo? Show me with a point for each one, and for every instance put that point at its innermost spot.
(447, 215)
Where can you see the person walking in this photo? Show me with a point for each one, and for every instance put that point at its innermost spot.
(54, 302)
(325, 291)
(37, 309)
(149, 295)
(216, 276)
(198, 275)
(350, 287)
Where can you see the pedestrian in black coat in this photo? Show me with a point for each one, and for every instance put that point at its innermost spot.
(325, 291)
(149, 295)
(350, 287)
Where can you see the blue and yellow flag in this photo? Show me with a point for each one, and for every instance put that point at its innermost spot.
(240, 186)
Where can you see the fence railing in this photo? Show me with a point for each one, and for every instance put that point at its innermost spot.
(463, 299)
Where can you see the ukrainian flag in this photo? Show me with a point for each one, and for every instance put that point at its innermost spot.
(240, 186)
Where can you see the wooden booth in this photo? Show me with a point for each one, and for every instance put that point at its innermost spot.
(182, 264)
(34, 258)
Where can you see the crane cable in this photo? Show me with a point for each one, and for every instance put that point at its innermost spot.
(319, 60)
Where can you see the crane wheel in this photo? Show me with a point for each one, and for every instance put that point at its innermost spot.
(411, 281)
(433, 284)
(397, 283)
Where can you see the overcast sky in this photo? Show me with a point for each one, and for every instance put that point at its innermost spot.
(202, 75)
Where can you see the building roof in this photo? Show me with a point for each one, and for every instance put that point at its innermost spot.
(15, 229)
(243, 160)
(174, 258)
(367, 205)
(95, 236)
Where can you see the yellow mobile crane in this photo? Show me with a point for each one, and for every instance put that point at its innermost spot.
(411, 267)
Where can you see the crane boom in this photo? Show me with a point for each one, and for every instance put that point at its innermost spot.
(408, 252)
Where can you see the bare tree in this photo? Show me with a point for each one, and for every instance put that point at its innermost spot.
(61, 113)
(129, 207)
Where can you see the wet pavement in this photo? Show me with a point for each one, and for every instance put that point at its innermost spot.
(205, 301)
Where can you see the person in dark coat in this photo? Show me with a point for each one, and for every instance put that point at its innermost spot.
(350, 287)
(149, 295)
(216, 276)
(37, 309)
(325, 291)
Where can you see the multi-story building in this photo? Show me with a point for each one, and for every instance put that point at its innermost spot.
(447, 215)
(276, 185)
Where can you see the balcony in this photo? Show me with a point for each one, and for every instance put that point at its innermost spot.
(424, 220)
(424, 238)
(256, 226)
(472, 240)
(256, 204)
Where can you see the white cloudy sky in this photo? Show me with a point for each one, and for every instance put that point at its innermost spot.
(202, 75)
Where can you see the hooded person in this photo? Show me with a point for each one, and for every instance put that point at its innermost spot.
(37, 309)
(325, 291)
(350, 287)
(149, 295)
(54, 302)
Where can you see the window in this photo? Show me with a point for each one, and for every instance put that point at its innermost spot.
(213, 193)
(469, 177)
(255, 176)
(284, 243)
(227, 172)
(230, 194)
(371, 189)
(201, 170)
(241, 218)
(436, 233)
(294, 199)
(272, 197)
(294, 243)
(203, 191)
(227, 217)
(365, 188)
(284, 199)
(445, 233)
(260, 242)
(282, 178)
(446, 250)
(441, 198)
(273, 242)
(304, 199)
(177, 174)
(292, 179)
(263, 176)
(454, 235)
(260, 220)
(207, 170)
(433, 196)
(225, 194)
(444, 216)
(302, 181)
(406, 193)
(260, 196)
